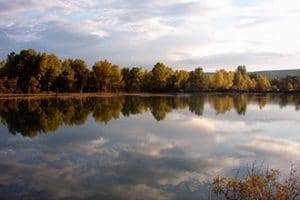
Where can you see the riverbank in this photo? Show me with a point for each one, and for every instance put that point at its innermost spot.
(78, 95)
(144, 94)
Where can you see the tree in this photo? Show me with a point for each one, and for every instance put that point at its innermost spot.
(12, 85)
(81, 73)
(161, 75)
(21, 67)
(147, 81)
(66, 79)
(222, 80)
(197, 80)
(33, 85)
(50, 68)
(3, 68)
(180, 78)
(263, 83)
(133, 78)
(102, 70)
(241, 78)
(126, 78)
(2, 85)
(115, 79)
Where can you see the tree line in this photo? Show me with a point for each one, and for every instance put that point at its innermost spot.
(34, 116)
(34, 72)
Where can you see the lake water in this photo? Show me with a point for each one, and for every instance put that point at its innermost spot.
(134, 147)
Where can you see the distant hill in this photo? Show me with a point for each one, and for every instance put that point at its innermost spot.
(273, 73)
(278, 73)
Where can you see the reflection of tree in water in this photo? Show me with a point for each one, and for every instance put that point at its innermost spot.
(263, 101)
(221, 104)
(159, 107)
(289, 99)
(240, 103)
(106, 109)
(30, 117)
(196, 104)
(134, 105)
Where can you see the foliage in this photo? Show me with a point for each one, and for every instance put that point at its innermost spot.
(263, 83)
(259, 184)
(161, 77)
(196, 80)
(32, 72)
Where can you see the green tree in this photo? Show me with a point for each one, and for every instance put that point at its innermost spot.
(116, 83)
(133, 78)
(180, 78)
(50, 68)
(66, 79)
(81, 73)
(197, 80)
(241, 79)
(147, 81)
(21, 67)
(161, 75)
(102, 70)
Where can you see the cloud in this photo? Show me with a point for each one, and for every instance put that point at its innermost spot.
(272, 147)
(181, 33)
(258, 60)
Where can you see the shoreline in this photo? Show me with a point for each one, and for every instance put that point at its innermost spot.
(78, 95)
(141, 94)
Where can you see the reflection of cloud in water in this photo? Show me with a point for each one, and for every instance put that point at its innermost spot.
(137, 156)
(100, 173)
(268, 146)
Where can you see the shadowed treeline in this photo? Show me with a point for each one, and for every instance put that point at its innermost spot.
(34, 116)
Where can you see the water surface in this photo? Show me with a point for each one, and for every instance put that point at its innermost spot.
(134, 147)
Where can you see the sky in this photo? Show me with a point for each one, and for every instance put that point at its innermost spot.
(183, 34)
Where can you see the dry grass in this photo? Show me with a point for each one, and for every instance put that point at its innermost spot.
(259, 184)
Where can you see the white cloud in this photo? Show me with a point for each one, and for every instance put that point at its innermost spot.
(269, 146)
(206, 33)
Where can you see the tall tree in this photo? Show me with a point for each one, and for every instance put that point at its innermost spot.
(133, 78)
(263, 83)
(222, 80)
(161, 75)
(50, 67)
(197, 80)
(66, 79)
(81, 73)
(21, 67)
(116, 83)
(102, 70)
(241, 78)
(180, 78)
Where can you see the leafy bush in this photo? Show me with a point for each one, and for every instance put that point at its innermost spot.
(259, 184)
